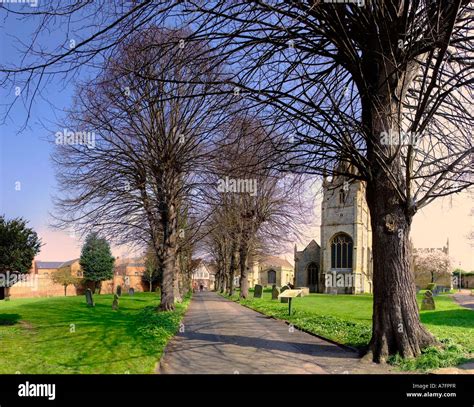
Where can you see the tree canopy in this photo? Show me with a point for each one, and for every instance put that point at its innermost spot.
(19, 245)
(96, 259)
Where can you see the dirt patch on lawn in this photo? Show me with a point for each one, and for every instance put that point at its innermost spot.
(26, 325)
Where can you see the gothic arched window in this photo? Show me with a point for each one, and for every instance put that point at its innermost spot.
(341, 252)
(272, 277)
(342, 196)
(312, 274)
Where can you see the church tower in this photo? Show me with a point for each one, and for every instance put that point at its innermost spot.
(346, 237)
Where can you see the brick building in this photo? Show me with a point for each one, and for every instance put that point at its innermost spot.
(38, 283)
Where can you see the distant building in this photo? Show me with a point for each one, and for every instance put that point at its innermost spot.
(307, 267)
(467, 281)
(269, 271)
(38, 283)
(343, 261)
(128, 273)
(203, 276)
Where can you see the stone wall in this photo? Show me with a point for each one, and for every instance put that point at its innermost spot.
(43, 286)
(39, 285)
(303, 258)
(423, 279)
(468, 282)
(283, 276)
(38, 282)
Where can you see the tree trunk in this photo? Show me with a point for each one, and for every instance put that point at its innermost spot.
(232, 267)
(177, 286)
(65, 290)
(244, 282)
(223, 284)
(396, 326)
(151, 285)
(396, 323)
(169, 252)
(217, 281)
(167, 287)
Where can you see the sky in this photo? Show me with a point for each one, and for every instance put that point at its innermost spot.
(27, 180)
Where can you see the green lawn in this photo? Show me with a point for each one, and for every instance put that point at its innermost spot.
(346, 319)
(63, 335)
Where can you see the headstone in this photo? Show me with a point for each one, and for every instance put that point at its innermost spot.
(275, 292)
(89, 299)
(284, 288)
(131, 291)
(5, 293)
(115, 303)
(119, 290)
(427, 303)
(257, 293)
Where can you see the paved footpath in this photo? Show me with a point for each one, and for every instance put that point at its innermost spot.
(223, 337)
(464, 299)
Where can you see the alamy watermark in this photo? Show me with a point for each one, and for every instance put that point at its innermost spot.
(333, 279)
(10, 279)
(68, 137)
(360, 3)
(237, 185)
(37, 390)
(395, 138)
(32, 3)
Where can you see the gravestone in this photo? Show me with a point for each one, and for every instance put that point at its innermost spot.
(89, 299)
(284, 299)
(119, 290)
(257, 293)
(115, 303)
(131, 292)
(275, 292)
(427, 303)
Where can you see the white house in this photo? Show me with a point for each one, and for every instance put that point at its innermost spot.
(203, 276)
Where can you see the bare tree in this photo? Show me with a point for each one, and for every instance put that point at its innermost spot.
(132, 178)
(152, 272)
(253, 204)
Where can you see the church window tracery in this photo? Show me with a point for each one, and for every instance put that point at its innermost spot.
(341, 251)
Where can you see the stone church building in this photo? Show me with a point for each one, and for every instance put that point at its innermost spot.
(343, 262)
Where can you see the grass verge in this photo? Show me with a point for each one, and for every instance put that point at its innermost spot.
(61, 335)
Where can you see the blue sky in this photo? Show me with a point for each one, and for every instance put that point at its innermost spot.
(27, 180)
